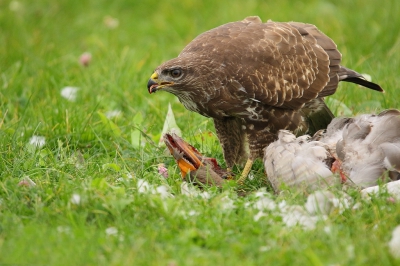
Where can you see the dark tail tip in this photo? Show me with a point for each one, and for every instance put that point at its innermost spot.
(365, 83)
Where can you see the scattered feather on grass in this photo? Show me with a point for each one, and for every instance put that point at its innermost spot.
(63, 229)
(75, 199)
(37, 141)
(325, 202)
(113, 114)
(296, 215)
(145, 187)
(111, 231)
(70, 93)
(394, 243)
(391, 188)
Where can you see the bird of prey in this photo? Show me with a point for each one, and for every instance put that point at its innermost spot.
(255, 78)
(361, 149)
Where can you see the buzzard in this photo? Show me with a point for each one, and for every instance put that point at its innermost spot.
(254, 79)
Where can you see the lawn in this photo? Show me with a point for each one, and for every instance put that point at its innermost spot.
(92, 151)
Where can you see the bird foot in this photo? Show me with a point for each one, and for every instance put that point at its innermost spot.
(245, 172)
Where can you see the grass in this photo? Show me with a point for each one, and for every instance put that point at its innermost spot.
(102, 160)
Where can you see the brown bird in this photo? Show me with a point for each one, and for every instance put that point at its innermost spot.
(254, 79)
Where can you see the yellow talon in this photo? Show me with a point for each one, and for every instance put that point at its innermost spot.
(246, 171)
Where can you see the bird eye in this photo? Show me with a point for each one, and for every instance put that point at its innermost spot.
(176, 73)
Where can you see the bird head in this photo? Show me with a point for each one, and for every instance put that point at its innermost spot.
(186, 156)
(166, 79)
(184, 74)
(172, 76)
(193, 164)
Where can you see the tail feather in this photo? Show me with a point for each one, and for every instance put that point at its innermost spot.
(365, 83)
(352, 76)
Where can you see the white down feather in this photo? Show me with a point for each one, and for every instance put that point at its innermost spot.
(296, 162)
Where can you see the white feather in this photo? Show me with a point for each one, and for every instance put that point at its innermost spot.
(369, 146)
(296, 162)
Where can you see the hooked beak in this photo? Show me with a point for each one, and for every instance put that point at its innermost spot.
(154, 84)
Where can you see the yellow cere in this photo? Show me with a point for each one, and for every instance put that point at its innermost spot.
(154, 76)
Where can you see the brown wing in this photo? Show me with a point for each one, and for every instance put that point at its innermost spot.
(311, 33)
(278, 64)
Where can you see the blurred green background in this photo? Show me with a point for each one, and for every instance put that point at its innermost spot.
(87, 153)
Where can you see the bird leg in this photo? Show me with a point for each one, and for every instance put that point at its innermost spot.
(246, 171)
(231, 136)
